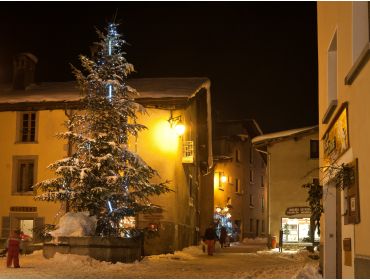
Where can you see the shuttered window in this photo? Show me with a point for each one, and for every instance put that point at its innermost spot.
(5, 226)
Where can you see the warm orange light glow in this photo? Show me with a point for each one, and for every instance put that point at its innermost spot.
(165, 138)
(223, 179)
(180, 129)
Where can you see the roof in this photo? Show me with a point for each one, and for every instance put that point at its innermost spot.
(283, 135)
(150, 89)
(241, 128)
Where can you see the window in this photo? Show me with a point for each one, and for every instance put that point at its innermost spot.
(237, 155)
(332, 101)
(251, 159)
(237, 185)
(24, 172)
(251, 199)
(27, 127)
(263, 226)
(251, 175)
(262, 203)
(314, 149)
(360, 28)
(190, 186)
(251, 225)
(262, 181)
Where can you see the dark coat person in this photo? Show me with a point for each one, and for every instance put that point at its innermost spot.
(223, 236)
(210, 238)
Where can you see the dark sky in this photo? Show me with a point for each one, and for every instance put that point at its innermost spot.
(261, 57)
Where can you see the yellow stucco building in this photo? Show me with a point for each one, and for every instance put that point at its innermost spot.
(344, 84)
(292, 160)
(239, 178)
(32, 115)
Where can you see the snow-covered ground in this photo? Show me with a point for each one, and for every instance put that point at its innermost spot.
(189, 263)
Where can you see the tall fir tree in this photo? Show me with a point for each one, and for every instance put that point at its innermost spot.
(102, 175)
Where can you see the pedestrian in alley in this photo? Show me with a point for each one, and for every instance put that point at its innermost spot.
(281, 232)
(210, 238)
(223, 236)
(13, 247)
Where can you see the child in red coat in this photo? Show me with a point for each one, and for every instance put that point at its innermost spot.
(13, 247)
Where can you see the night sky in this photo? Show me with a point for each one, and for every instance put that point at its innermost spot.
(261, 57)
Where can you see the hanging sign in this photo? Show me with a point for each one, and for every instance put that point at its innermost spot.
(336, 138)
(290, 211)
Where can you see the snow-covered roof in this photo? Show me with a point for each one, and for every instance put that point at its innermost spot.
(148, 88)
(30, 56)
(282, 135)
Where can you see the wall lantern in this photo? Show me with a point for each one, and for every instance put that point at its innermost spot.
(219, 180)
(223, 179)
(176, 123)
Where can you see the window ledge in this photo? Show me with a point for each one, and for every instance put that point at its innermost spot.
(23, 193)
(358, 65)
(20, 142)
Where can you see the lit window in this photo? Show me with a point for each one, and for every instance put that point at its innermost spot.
(237, 185)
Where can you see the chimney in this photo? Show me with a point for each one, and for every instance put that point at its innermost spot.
(24, 66)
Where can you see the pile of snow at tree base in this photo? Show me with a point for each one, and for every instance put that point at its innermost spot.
(188, 263)
(75, 224)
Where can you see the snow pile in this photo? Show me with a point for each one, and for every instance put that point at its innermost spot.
(257, 240)
(189, 253)
(75, 224)
(309, 271)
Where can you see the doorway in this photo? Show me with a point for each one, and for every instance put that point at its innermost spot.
(26, 226)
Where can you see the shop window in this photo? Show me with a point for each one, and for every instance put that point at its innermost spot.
(251, 175)
(297, 230)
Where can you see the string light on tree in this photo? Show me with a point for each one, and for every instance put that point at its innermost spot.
(104, 176)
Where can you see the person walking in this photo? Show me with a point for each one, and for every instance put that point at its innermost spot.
(210, 238)
(13, 248)
(223, 236)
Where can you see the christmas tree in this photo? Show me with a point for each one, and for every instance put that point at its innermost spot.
(102, 175)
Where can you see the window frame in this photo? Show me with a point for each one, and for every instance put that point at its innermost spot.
(17, 161)
(20, 128)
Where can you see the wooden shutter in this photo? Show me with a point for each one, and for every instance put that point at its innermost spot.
(5, 227)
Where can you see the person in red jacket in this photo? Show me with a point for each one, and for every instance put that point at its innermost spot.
(13, 247)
